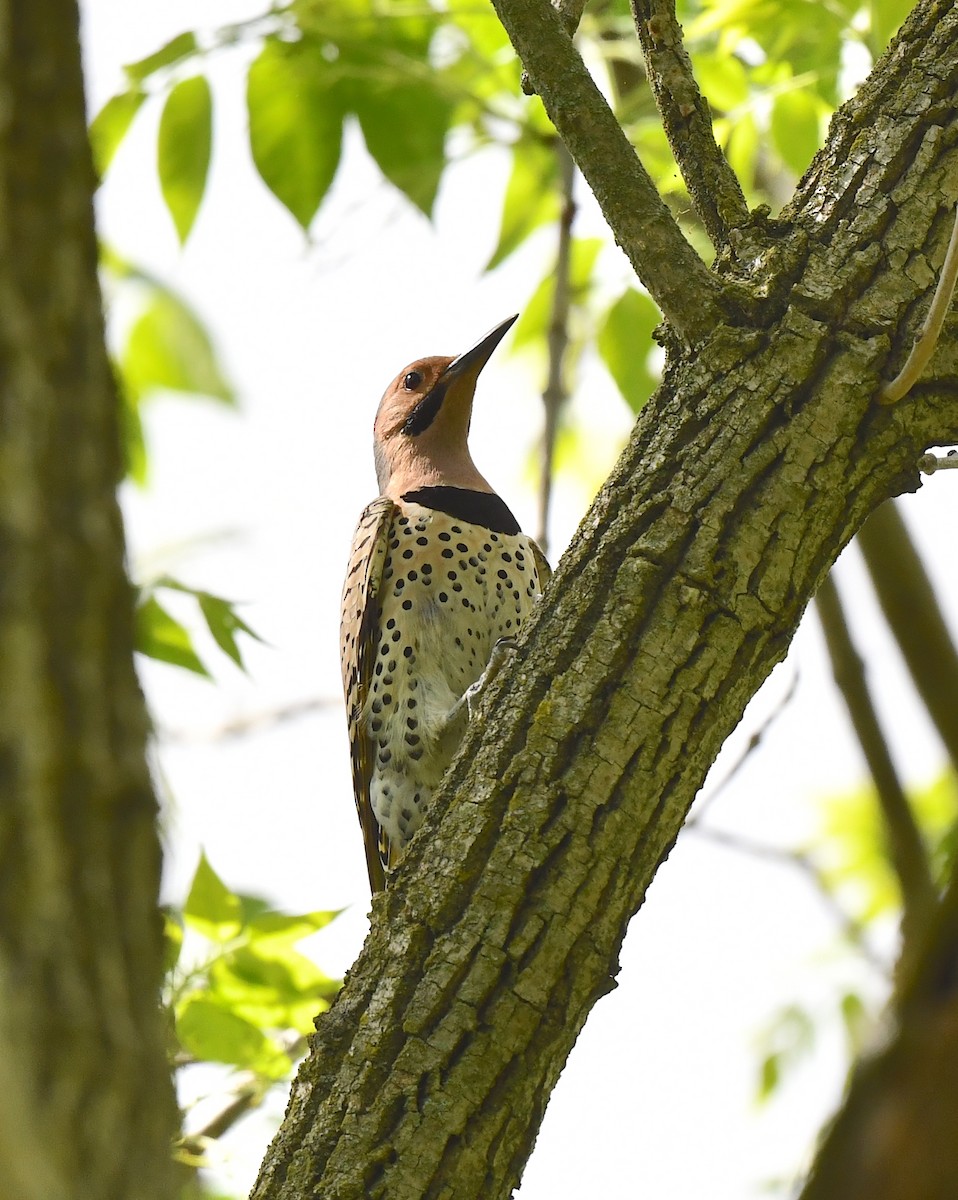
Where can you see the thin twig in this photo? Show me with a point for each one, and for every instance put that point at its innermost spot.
(712, 184)
(927, 339)
(928, 464)
(701, 806)
(248, 1094)
(853, 930)
(245, 726)
(907, 598)
(907, 852)
(555, 395)
(690, 296)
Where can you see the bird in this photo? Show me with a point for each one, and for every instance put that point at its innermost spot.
(440, 580)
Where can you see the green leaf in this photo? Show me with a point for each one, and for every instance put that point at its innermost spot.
(183, 150)
(220, 616)
(211, 908)
(108, 128)
(167, 347)
(788, 1039)
(174, 51)
(266, 927)
(795, 128)
(212, 1033)
(295, 124)
(272, 991)
(160, 636)
(852, 853)
(224, 625)
(770, 1073)
(404, 125)
(853, 849)
(741, 148)
(722, 78)
(624, 342)
(532, 196)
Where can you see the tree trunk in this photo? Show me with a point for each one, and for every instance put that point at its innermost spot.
(86, 1107)
(760, 456)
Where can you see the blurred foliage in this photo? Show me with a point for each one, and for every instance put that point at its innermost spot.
(238, 991)
(161, 636)
(183, 149)
(853, 865)
(854, 856)
(163, 347)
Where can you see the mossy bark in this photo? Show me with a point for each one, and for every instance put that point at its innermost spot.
(86, 1107)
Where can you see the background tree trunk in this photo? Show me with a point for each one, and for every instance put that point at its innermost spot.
(86, 1107)
(760, 456)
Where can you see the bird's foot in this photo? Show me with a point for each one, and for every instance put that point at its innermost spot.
(502, 651)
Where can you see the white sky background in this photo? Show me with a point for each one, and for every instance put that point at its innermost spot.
(658, 1097)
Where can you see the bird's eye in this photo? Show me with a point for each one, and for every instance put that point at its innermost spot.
(412, 381)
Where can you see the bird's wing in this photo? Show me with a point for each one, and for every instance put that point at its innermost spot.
(358, 636)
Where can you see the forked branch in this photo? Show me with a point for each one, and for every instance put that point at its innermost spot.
(713, 185)
(689, 295)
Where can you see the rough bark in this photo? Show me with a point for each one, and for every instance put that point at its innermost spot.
(760, 456)
(86, 1105)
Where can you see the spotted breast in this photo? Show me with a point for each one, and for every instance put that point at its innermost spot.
(439, 573)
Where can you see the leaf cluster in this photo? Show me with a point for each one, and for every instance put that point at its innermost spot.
(237, 990)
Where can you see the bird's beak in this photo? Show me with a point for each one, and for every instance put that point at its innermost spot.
(471, 362)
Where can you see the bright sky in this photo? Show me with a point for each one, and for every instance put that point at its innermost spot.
(658, 1097)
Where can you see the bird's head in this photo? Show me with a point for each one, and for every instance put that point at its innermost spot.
(422, 424)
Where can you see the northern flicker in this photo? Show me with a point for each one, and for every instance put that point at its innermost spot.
(439, 573)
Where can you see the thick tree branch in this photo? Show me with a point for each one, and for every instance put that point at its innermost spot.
(86, 1106)
(908, 600)
(907, 851)
(689, 295)
(713, 187)
(756, 461)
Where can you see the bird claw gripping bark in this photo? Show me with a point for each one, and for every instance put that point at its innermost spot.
(502, 652)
